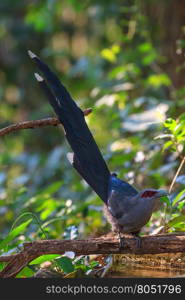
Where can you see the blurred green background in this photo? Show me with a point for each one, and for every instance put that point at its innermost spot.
(124, 59)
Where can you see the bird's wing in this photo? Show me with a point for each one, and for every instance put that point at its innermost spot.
(120, 195)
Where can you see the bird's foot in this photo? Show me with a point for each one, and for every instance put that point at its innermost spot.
(137, 238)
(138, 241)
(121, 241)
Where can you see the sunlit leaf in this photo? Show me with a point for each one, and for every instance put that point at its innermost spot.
(178, 197)
(159, 80)
(170, 124)
(167, 145)
(108, 55)
(24, 273)
(176, 221)
(14, 233)
(43, 258)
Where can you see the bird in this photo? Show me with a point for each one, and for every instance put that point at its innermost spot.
(126, 208)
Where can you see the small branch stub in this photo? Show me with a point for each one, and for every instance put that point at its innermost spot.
(35, 124)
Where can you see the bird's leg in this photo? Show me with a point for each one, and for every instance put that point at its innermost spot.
(121, 240)
(135, 235)
(138, 239)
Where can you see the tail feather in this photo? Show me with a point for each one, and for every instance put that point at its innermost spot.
(76, 164)
(47, 91)
(87, 158)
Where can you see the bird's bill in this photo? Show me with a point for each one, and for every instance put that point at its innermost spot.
(162, 193)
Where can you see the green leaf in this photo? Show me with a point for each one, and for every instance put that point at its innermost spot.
(65, 264)
(108, 55)
(170, 124)
(2, 265)
(116, 72)
(181, 205)
(166, 200)
(176, 220)
(182, 118)
(15, 232)
(26, 272)
(52, 188)
(167, 145)
(47, 208)
(178, 197)
(43, 258)
(157, 80)
(145, 47)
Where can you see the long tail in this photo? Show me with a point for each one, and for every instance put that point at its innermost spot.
(87, 158)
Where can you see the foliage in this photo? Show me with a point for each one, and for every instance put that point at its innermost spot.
(175, 143)
(108, 56)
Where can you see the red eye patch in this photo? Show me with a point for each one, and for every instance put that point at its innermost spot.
(148, 194)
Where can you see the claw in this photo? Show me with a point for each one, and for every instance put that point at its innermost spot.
(137, 238)
(121, 242)
(138, 241)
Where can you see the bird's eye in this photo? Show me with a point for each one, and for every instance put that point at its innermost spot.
(147, 194)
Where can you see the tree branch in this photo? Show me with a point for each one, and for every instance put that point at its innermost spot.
(170, 243)
(35, 124)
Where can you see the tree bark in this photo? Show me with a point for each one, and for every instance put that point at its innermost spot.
(166, 20)
(171, 243)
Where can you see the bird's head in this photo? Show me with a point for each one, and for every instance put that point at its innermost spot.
(148, 194)
(150, 199)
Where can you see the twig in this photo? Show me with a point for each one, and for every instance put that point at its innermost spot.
(35, 124)
(7, 258)
(177, 173)
(170, 243)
